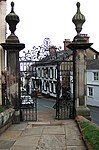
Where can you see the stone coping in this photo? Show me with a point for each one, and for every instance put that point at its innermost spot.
(6, 118)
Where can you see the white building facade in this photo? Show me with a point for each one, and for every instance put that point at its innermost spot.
(93, 83)
(45, 80)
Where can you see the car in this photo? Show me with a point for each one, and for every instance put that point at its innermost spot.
(27, 100)
(23, 90)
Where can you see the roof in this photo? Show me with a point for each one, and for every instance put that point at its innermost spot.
(93, 64)
(65, 54)
(94, 50)
(50, 60)
(61, 55)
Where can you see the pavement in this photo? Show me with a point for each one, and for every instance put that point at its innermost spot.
(46, 133)
(42, 135)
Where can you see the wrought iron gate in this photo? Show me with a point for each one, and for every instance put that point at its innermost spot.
(28, 96)
(65, 101)
(53, 78)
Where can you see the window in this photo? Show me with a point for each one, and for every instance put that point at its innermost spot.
(42, 72)
(51, 87)
(96, 75)
(46, 72)
(38, 72)
(55, 73)
(45, 87)
(90, 91)
(54, 87)
(51, 72)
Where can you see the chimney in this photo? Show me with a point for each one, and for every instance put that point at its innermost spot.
(66, 43)
(52, 51)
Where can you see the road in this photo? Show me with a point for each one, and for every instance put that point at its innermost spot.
(94, 114)
(45, 109)
(45, 104)
(46, 112)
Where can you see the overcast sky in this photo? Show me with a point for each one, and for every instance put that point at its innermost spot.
(53, 19)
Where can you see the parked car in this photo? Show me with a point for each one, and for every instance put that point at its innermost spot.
(23, 90)
(27, 100)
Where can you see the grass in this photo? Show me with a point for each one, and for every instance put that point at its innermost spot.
(1, 108)
(90, 132)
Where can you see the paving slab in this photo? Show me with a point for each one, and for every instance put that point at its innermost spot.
(10, 135)
(76, 148)
(15, 147)
(43, 135)
(28, 140)
(40, 123)
(74, 141)
(6, 144)
(18, 127)
(54, 130)
(52, 142)
(33, 131)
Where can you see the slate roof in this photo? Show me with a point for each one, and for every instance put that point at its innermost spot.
(64, 54)
(94, 50)
(61, 55)
(93, 64)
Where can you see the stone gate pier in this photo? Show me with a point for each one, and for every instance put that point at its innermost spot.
(13, 46)
(79, 46)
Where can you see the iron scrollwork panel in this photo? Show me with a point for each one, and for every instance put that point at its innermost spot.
(28, 111)
(64, 102)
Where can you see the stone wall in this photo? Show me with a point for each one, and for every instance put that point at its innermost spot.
(6, 119)
(2, 39)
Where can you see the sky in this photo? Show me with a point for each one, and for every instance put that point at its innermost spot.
(52, 19)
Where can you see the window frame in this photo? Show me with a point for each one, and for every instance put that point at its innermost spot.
(90, 91)
(51, 72)
(96, 76)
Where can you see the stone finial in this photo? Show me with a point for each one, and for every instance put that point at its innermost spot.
(78, 19)
(12, 19)
(12, 7)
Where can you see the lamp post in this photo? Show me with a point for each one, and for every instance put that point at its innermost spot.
(79, 46)
(13, 46)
